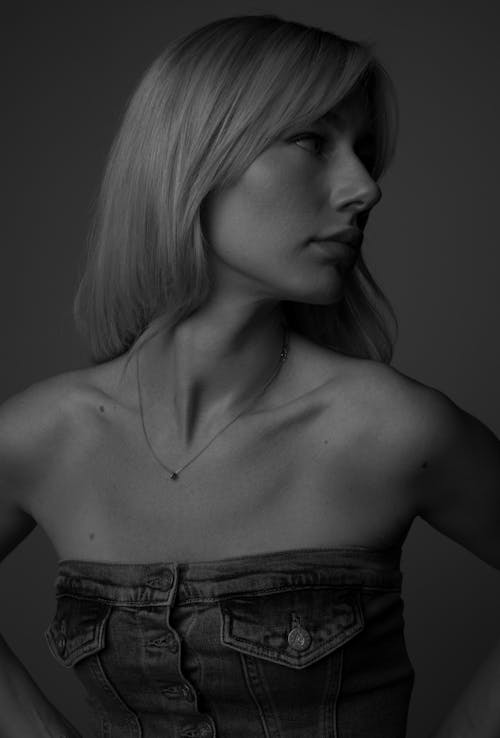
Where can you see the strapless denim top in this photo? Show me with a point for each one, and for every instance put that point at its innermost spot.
(304, 643)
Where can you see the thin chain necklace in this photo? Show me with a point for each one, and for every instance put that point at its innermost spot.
(174, 474)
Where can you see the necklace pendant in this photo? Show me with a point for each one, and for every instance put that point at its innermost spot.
(175, 474)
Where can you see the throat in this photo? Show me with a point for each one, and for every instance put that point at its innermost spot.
(200, 412)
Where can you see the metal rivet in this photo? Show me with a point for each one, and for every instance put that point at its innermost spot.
(299, 639)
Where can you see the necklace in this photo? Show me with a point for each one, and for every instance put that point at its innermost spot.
(174, 474)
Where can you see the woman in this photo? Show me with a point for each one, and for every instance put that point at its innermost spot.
(228, 487)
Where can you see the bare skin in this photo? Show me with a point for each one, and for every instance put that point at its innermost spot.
(337, 452)
(342, 452)
(287, 474)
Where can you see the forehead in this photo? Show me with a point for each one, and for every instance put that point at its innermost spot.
(352, 114)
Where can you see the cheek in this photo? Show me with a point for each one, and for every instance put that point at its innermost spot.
(272, 202)
(275, 186)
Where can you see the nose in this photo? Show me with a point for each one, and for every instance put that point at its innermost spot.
(352, 188)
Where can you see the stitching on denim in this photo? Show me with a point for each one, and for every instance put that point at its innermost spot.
(92, 645)
(288, 588)
(200, 696)
(142, 665)
(115, 602)
(132, 718)
(201, 599)
(99, 718)
(257, 650)
(339, 682)
(327, 704)
(254, 696)
(328, 647)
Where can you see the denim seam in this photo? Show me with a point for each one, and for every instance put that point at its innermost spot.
(321, 651)
(327, 706)
(131, 718)
(208, 710)
(115, 602)
(143, 660)
(92, 645)
(339, 682)
(254, 696)
(180, 671)
(276, 590)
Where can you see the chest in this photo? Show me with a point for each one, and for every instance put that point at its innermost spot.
(309, 474)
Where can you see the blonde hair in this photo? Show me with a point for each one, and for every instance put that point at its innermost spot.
(205, 109)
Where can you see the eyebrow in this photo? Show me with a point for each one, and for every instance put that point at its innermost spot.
(340, 122)
(330, 116)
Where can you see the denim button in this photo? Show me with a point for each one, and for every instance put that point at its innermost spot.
(171, 643)
(299, 639)
(180, 690)
(187, 693)
(205, 730)
(167, 641)
(168, 578)
(202, 730)
(172, 691)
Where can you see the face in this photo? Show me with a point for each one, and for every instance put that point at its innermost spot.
(262, 230)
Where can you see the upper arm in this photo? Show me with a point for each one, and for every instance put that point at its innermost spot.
(458, 482)
(30, 423)
(15, 522)
(15, 526)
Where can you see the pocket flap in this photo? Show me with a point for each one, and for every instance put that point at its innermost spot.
(77, 629)
(293, 628)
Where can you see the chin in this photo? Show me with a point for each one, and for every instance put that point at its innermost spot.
(324, 288)
(332, 291)
(328, 296)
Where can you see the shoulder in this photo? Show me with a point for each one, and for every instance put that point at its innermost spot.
(395, 396)
(422, 415)
(455, 484)
(38, 427)
(400, 406)
(41, 422)
(410, 422)
(408, 419)
(447, 459)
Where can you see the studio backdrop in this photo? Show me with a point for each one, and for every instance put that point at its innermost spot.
(432, 244)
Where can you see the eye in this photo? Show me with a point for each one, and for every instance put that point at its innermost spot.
(317, 142)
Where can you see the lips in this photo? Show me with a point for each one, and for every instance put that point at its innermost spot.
(351, 236)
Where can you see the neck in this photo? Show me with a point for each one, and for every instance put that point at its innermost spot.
(204, 371)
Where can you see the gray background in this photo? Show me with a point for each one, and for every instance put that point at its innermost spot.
(432, 244)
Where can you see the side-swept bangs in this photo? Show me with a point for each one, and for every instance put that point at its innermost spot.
(206, 108)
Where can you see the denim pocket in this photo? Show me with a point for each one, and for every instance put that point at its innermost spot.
(77, 629)
(293, 628)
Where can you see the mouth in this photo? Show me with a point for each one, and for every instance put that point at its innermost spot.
(351, 237)
(337, 251)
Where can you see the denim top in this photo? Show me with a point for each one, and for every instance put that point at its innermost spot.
(305, 643)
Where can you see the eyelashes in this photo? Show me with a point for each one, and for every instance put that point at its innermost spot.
(365, 151)
(316, 138)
